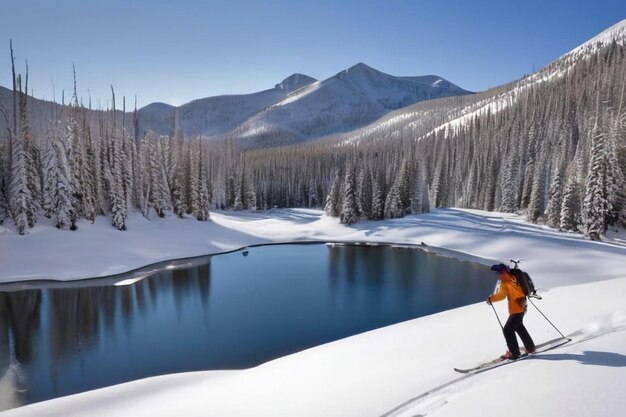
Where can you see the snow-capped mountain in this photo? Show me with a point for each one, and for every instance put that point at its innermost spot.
(348, 100)
(214, 116)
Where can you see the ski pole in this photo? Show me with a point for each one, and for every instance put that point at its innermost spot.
(544, 316)
(496, 313)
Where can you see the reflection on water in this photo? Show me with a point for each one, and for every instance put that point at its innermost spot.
(228, 311)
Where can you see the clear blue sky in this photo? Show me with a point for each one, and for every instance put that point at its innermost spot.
(177, 50)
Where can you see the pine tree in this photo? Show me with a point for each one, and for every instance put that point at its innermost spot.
(596, 205)
(76, 157)
(24, 187)
(160, 196)
(536, 205)
(333, 200)
(555, 200)
(529, 167)
(63, 200)
(238, 185)
(203, 198)
(116, 198)
(365, 192)
(378, 199)
(49, 166)
(89, 173)
(142, 176)
(616, 184)
(32, 158)
(510, 184)
(115, 176)
(20, 196)
(248, 191)
(419, 200)
(570, 207)
(349, 211)
(174, 176)
(438, 188)
(394, 202)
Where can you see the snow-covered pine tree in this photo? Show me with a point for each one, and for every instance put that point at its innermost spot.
(378, 198)
(101, 167)
(470, 190)
(616, 183)
(364, 191)
(138, 178)
(117, 198)
(49, 171)
(159, 196)
(419, 199)
(312, 194)
(349, 210)
(404, 181)
(333, 200)
(438, 189)
(204, 197)
(529, 168)
(24, 189)
(20, 196)
(570, 206)
(175, 173)
(64, 200)
(596, 205)
(237, 189)
(89, 172)
(76, 156)
(127, 166)
(194, 181)
(536, 205)
(555, 200)
(510, 181)
(248, 189)
(142, 178)
(393, 200)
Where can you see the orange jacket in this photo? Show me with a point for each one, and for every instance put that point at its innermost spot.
(509, 288)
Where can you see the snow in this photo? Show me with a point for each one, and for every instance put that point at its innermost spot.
(381, 372)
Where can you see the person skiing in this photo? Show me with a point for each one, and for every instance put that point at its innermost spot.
(511, 289)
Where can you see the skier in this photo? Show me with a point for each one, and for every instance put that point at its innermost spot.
(511, 289)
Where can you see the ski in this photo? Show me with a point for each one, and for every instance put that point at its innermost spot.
(485, 366)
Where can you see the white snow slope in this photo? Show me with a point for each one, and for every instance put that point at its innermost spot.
(382, 372)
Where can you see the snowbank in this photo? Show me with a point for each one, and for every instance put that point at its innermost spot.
(379, 372)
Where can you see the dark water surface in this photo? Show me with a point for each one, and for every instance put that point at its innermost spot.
(225, 312)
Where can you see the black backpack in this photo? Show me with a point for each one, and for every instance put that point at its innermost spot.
(525, 281)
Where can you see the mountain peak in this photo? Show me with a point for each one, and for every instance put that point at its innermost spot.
(361, 67)
(294, 82)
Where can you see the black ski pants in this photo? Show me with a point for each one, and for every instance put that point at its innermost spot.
(515, 324)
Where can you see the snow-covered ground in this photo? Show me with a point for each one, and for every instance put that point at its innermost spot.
(382, 372)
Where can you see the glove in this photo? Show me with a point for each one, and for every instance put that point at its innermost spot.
(489, 300)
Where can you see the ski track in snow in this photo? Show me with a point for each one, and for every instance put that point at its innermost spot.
(434, 399)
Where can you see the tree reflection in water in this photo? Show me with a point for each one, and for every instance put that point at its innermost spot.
(221, 312)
